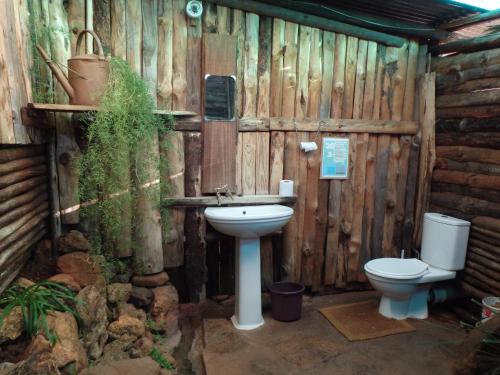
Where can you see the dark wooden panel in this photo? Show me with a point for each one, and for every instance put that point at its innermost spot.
(219, 137)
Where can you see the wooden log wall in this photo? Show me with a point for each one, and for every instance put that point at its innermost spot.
(24, 206)
(294, 75)
(466, 178)
(15, 65)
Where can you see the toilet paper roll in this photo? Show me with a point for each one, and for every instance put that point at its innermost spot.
(308, 146)
(286, 188)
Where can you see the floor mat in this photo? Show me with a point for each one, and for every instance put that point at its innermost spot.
(361, 321)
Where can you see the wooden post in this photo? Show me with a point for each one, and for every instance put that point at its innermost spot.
(427, 150)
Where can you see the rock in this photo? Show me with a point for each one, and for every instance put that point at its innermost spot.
(119, 292)
(67, 348)
(165, 300)
(130, 310)
(141, 297)
(195, 355)
(123, 277)
(73, 241)
(157, 279)
(116, 350)
(142, 366)
(94, 315)
(24, 282)
(84, 270)
(66, 280)
(165, 308)
(13, 325)
(126, 328)
(141, 348)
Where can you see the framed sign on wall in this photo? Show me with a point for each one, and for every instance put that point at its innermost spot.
(335, 158)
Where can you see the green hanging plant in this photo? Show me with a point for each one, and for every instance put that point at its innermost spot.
(121, 137)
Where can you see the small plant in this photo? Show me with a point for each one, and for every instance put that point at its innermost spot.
(159, 358)
(35, 301)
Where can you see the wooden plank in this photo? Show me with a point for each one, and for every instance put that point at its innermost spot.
(467, 45)
(315, 74)
(427, 150)
(194, 66)
(67, 149)
(474, 180)
(332, 250)
(210, 201)
(410, 85)
(262, 163)
(277, 52)
(291, 255)
(309, 251)
(344, 125)
(370, 78)
(350, 77)
(469, 154)
(327, 79)
(338, 76)
(359, 88)
(223, 20)
(249, 163)
(304, 53)
(6, 123)
(147, 234)
(486, 97)
(172, 174)
(101, 17)
(165, 53)
(251, 63)
(239, 164)
(264, 67)
(321, 233)
(238, 31)
(209, 18)
(195, 223)
(71, 108)
(179, 58)
(276, 161)
(290, 69)
(219, 138)
(134, 35)
(446, 64)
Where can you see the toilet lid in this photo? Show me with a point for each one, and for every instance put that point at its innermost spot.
(397, 268)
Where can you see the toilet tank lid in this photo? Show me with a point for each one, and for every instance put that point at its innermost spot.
(445, 219)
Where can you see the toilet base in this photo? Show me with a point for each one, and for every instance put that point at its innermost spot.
(416, 306)
(246, 327)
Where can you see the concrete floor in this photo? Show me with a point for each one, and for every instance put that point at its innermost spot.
(313, 346)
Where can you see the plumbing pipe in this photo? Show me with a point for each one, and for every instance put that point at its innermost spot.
(89, 25)
(442, 294)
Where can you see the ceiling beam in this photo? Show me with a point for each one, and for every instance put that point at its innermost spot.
(378, 23)
(312, 20)
(471, 20)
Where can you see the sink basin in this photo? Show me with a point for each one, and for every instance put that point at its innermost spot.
(248, 223)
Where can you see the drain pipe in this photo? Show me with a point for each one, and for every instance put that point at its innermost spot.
(442, 294)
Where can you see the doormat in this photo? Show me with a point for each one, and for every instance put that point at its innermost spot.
(361, 321)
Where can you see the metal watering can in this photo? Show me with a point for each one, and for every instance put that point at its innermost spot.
(87, 74)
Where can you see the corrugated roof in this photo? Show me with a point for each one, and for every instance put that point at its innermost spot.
(427, 12)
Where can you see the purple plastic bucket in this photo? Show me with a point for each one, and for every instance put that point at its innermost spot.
(286, 300)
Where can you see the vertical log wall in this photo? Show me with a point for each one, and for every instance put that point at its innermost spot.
(466, 180)
(298, 74)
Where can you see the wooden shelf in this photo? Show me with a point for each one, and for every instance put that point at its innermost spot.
(208, 201)
(70, 108)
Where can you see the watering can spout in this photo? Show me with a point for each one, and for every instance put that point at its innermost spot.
(58, 73)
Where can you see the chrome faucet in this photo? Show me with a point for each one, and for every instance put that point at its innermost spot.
(223, 190)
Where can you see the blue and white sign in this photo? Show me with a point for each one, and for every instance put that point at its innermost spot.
(335, 158)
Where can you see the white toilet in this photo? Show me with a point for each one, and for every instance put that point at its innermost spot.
(405, 283)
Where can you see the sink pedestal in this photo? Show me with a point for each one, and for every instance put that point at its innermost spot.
(248, 312)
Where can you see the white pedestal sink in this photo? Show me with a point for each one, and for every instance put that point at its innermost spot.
(248, 224)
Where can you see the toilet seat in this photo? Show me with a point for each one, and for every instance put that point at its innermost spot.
(397, 268)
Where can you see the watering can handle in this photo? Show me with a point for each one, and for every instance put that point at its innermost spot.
(96, 38)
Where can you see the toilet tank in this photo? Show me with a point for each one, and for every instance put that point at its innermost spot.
(444, 241)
